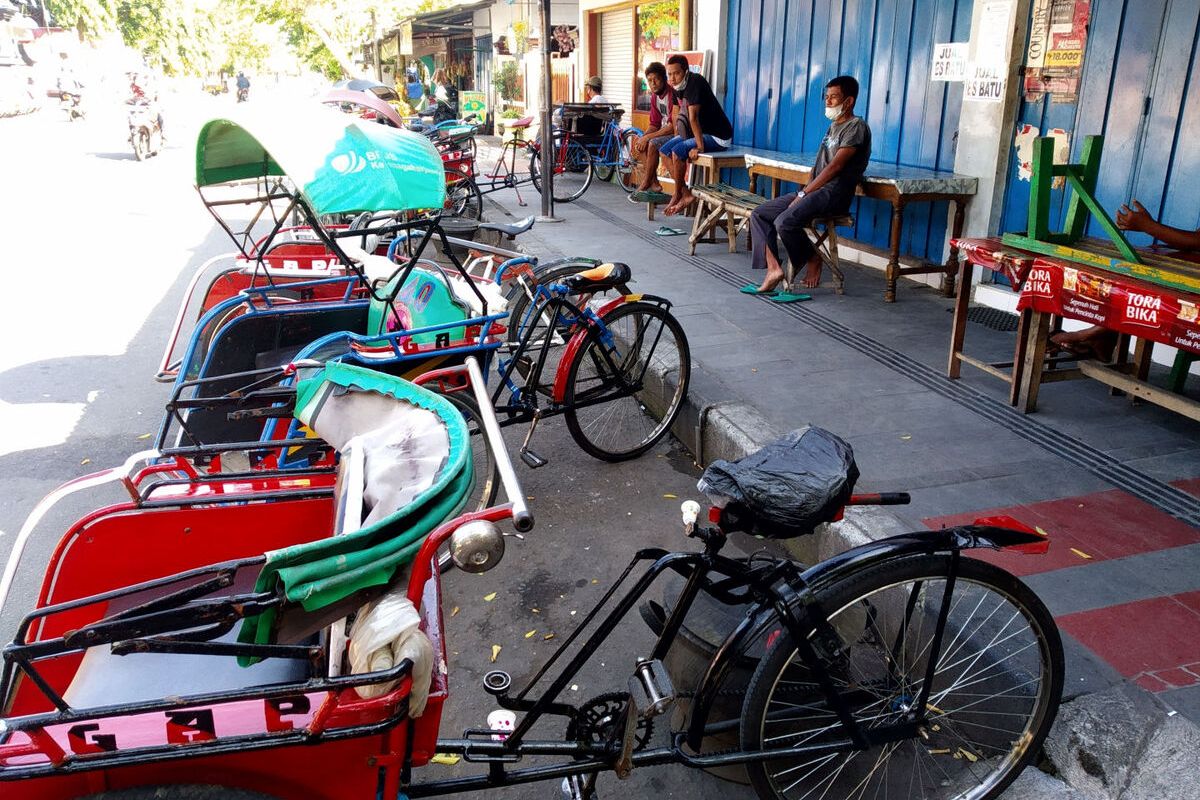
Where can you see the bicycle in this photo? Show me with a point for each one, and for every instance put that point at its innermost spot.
(900, 668)
(610, 149)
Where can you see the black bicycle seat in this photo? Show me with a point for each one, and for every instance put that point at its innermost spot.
(511, 231)
(596, 279)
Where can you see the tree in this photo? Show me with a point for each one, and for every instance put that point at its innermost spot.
(91, 18)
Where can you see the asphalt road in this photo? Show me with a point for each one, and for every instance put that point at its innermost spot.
(98, 249)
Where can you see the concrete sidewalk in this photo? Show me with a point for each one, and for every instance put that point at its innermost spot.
(1115, 485)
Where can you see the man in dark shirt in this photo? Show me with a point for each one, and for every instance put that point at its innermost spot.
(709, 128)
(839, 167)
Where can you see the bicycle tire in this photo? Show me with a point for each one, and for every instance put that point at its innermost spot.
(953, 749)
(487, 473)
(604, 162)
(596, 428)
(625, 168)
(463, 198)
(573, 164)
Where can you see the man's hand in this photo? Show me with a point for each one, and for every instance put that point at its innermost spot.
(638, 145)
(693, 154)
(1135, 218)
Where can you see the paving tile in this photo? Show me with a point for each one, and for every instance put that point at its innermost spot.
(1186, 701)
(1167, 637)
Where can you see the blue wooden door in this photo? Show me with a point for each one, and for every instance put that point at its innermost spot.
(781, 53)
(1141, 90)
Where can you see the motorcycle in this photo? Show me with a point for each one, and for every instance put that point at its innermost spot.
(145, 131)
(243, 94)
(71, 102)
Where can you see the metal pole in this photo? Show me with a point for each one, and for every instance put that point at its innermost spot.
(547, 132)
(376, 48)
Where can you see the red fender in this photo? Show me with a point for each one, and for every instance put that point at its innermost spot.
(564, 364)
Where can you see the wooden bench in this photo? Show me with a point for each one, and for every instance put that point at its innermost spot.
(719, 204)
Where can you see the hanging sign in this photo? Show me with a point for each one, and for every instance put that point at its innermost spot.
(950, 61)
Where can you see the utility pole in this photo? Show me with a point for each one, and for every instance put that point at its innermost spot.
(547, 159)
(376, 47)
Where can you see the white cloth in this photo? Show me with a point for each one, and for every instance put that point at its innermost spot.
(385, 633)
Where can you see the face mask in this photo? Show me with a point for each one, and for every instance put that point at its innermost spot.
(832, 112)
(680, 86)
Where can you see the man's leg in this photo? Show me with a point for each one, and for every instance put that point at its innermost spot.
(790, 225)
(765, 253)
(677, 166)
(686, 198)
(650, 179)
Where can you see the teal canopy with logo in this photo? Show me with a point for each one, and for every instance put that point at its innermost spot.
(339, 163)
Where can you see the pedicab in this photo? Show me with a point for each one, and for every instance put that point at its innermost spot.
(402, 312)
(290, 644)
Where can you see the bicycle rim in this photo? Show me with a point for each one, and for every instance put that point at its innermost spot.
(626, 165)
(994, 695)
(463, 199)
(647, 348)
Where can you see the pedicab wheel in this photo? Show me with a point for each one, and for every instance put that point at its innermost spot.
(648, 347)
(626, 165)
(487, 474)
(996, 687)
(572, 171)
(463, 198)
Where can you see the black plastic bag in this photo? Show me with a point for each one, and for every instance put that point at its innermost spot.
(788, 487)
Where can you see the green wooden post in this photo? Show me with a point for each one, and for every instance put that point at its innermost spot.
(1039, 188)
(1089, 173)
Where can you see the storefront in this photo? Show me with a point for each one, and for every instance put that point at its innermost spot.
(623, 38)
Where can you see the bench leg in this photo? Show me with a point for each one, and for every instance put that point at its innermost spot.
(893, 265)
(960, 210)
(958, 327)
(1034, 359)
(835, 260)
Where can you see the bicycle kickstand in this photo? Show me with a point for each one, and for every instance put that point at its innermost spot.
(532, 459)
(520, 200)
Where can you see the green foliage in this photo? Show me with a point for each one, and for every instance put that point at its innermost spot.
(507, 80)
(658, 19)
(91, 18)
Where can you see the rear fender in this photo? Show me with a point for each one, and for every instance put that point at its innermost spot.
(577, 341)
(985, 533)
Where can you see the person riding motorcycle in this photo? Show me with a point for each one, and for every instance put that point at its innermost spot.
(243, 87)
(143, 93)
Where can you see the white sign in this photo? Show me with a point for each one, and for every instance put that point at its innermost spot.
(950, 61)
(985, 84)
(995, 25)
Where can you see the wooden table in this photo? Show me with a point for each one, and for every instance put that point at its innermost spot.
(897, 185)
(1051, 289)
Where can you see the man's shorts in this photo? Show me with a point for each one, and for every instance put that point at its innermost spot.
(658, 141)
(678, 147)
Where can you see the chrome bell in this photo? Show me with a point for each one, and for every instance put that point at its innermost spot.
(477, 546)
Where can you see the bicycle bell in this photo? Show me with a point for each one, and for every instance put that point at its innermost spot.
(477, 546)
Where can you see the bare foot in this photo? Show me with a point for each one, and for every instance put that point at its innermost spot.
(773, 279)
(812, 274)
(1094, 342)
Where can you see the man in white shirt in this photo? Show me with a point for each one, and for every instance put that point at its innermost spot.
(592, 89)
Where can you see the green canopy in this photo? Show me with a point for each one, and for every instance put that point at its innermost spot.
(325, 571)
(340, 163)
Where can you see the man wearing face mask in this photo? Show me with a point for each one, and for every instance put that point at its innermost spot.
(841, 162)
(708, 128)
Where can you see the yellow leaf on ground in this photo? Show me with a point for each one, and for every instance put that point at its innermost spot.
(1040, 531)
(671, 496)
(454, 612)
(487, 598)
(906, 437)
(496, 652)
(535, 611)
(530, 634)
(145, 435)
(547, 637)
(445, 758)
(85, 461)
(1081, 554)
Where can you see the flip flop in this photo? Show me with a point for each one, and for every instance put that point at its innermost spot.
(788, 297)
(649, 197)
(751, 288)
(665, 231)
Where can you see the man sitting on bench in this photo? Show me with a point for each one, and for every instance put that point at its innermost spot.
(646, 147)
(841, 162)
(709, 128)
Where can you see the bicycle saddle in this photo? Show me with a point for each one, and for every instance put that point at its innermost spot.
(523, 122)
(596, 279)
(511, 230)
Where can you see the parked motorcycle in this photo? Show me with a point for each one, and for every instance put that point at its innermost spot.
(145, 131)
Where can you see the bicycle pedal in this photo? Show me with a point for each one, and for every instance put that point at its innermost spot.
(650, 688)
(574, 788)
(496, 682)
(532, 459)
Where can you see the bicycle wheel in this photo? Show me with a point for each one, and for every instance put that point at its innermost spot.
(463, 198)
(604, 162)
(510, 169)
(647, 347)
(996, 689)
(572, 171)
(626, 165)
